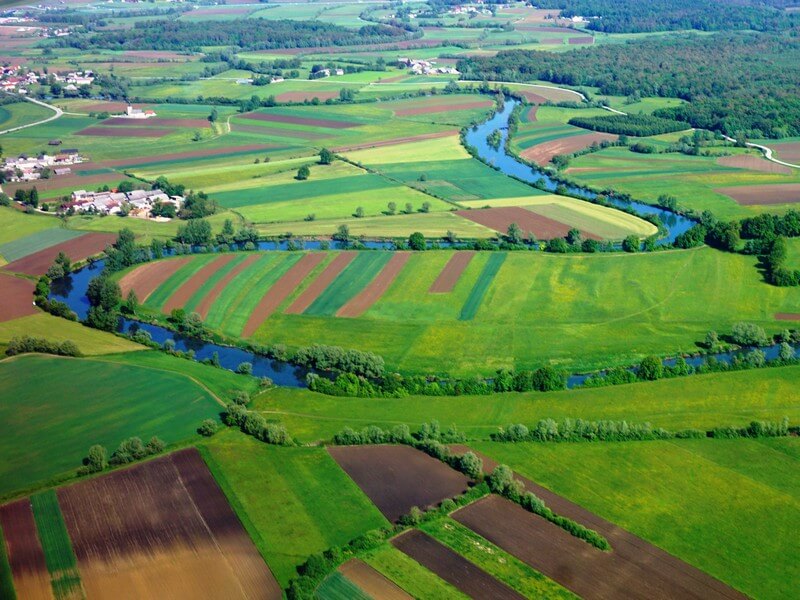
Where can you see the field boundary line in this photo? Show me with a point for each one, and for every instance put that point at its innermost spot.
(57, 110)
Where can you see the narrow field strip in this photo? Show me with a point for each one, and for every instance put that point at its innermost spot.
(364, 300)
(372, 582)
(270, 302)
(57, 546)
(212, 281)
(24, 551)
(452, 272)
(17, 297)
(79, 248)
(35, 242)
(211, 297)
(159, 298)
(145, 279)
(338, 587)
(351, 281)
(453, 568)
(473, 303)
(320, 283)
(185, 292)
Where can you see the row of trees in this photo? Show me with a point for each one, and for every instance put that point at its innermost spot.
(129, 450)
(549, 430)
(26, 344)
(635, 125)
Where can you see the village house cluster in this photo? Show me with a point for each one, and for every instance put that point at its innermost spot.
(136, 203)
(425, 67)
(14, 78)
(31, 168)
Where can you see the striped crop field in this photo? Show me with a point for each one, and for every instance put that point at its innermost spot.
(351, 281)
(58, 553)
(488, 274)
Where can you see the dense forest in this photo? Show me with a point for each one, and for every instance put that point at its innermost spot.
(248, 34)
(742, 83)
(637, 125)
(631, 16)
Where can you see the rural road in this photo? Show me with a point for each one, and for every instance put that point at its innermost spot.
(58, 113)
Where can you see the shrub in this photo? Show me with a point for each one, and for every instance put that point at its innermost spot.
(208, 428)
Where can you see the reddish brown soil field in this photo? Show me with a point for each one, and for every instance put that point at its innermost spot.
(100, 131)
(580, 40)
(753, 163)
(77, 249)
(162, 529)
(398, 477)
(362, 301)
(551, 41)
(208, 301)
(542, 154)
(185, 292)
(183, 155)
(289, 133)
(394, 79)
(56, 182)
(111, 107)
(787, 316)
(500, 218)
(17, 297)
(303, 96)
(158, 122)
(452, 567)
(329, 123)
(281, 290)
(751, 195)
(451, 273)
(396, 141)
(373, 583)
(320, 284)
(545, 29)
(532, 98)
(25, 554)
(633, 569)
(789, 152)
(552, 94)
(531, 116)
(424, 110)
(145, 279)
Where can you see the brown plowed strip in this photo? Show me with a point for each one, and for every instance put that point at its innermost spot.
(532, 113)
(373, 583)
(437, 108)
(145, 279)
(100, 131)
(500, 218)
(397, 478)
(282, 288)
(749, 195)
(321, 283)
(634, 568)
(301, 96)
(451, 273)
(275, 118)
(543, 153)
(452, 567)
(125, 162)
(787, 316)
(580, 40)
(162, 529)
(25, 554)
(184, 293)
(206, 303)
(77, 249)
(790, 151)
(17, 298)
(396, 141)
(532, 97)
(753, 163)
(362, 302)
(157, 122)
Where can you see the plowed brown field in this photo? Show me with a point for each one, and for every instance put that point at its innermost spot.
(787, 316)
(281, 290)
(451, 273)
(373, 583)
(500, 218)
(362, 301)
(162, 529)
(125, 162)
(158, 122)
(750, 195)
(145, 279)
(207, 302)
(275, 118)
(542, 154)
(17, 300)
(100, 131)
(437, 108)
(184, 293)
(753, 163)
(302, 96)
(398, 477)
(25, 554)
(77, 249)
(452, 567)
(331, 272)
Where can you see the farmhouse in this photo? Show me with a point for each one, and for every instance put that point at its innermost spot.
(25, 168)
(137, 113)
(136, 203)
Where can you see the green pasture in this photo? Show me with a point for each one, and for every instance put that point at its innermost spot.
(337, 587)
(292, 501)
(354, 278)
(56, 545)
(22, 113)
(15, 225)
(697, 401)
(145, 229)
(475, 298)
(97, 402)
(162, 293)
(34, 242)
(410, 575)
(729, 507)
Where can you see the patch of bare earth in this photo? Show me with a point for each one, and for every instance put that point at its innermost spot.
(25, 554)
(162, 529)
(756, 195)
(145, 279)
(501, 217)
(280, 291)
(362, 301)
(320, 283)
(303, 96)
(753, 163)
(17, 300)
(397, 478)
(158, 122)
(373, 583)
(543, 153)
(185, 292)
(790, 151)
(787, 316)
(77, 249)
(451, 273)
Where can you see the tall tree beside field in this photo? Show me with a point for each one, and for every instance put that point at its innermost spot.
(416, 241)
(303, 173)
(325, 156)
(104, 296)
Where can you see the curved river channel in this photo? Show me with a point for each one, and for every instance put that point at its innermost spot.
(72, 289)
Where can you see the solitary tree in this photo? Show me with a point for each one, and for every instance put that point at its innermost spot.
(631, 244)
(392, 206)
(416, 241)
(650, 369)
(303, 173)
(96, 459)
(325, 157)
(359, 212)
(514, 234)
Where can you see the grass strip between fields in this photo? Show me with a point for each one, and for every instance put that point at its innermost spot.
(57, 546)
(473, 303)
(410, 575)
(209, 283)
(162, 293)
(6, 578)
(238, 289)
(337, 587)
(354, 278)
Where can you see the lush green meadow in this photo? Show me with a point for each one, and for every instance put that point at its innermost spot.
(729, 507)
(15, 225)
(698, 401)
(34, 242)
(53, 417)
(293, 501)
(22, 113)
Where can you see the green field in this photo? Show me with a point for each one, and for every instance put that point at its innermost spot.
(58, 554)
(410, 575)
(729, 507)
(34, 242)
(22, 113)
(15, 225)
(293, 501)
(697, 401)
(473, 303)
(337, 587)
(97, 402)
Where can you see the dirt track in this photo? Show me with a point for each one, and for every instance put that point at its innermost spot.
(17, 298)
(452, 567)
(542, 154)
(752, 195)
(77, 249)
(362, 301)
(206, 303)
(451, 273)
(373, 583)
(281, 290)
(184, 293)
(398, 477)
(145, 279)
(633, 569)
(331, 272)
(500, 218)
(25, 554)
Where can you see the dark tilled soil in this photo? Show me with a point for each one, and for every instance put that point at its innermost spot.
(320, 283)
(77, 249)
(185, 292)
(145, 279)
(451, 273)
(500, 218)
(25, 554)
(17, 298)
(362, 301)
(751, 195)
